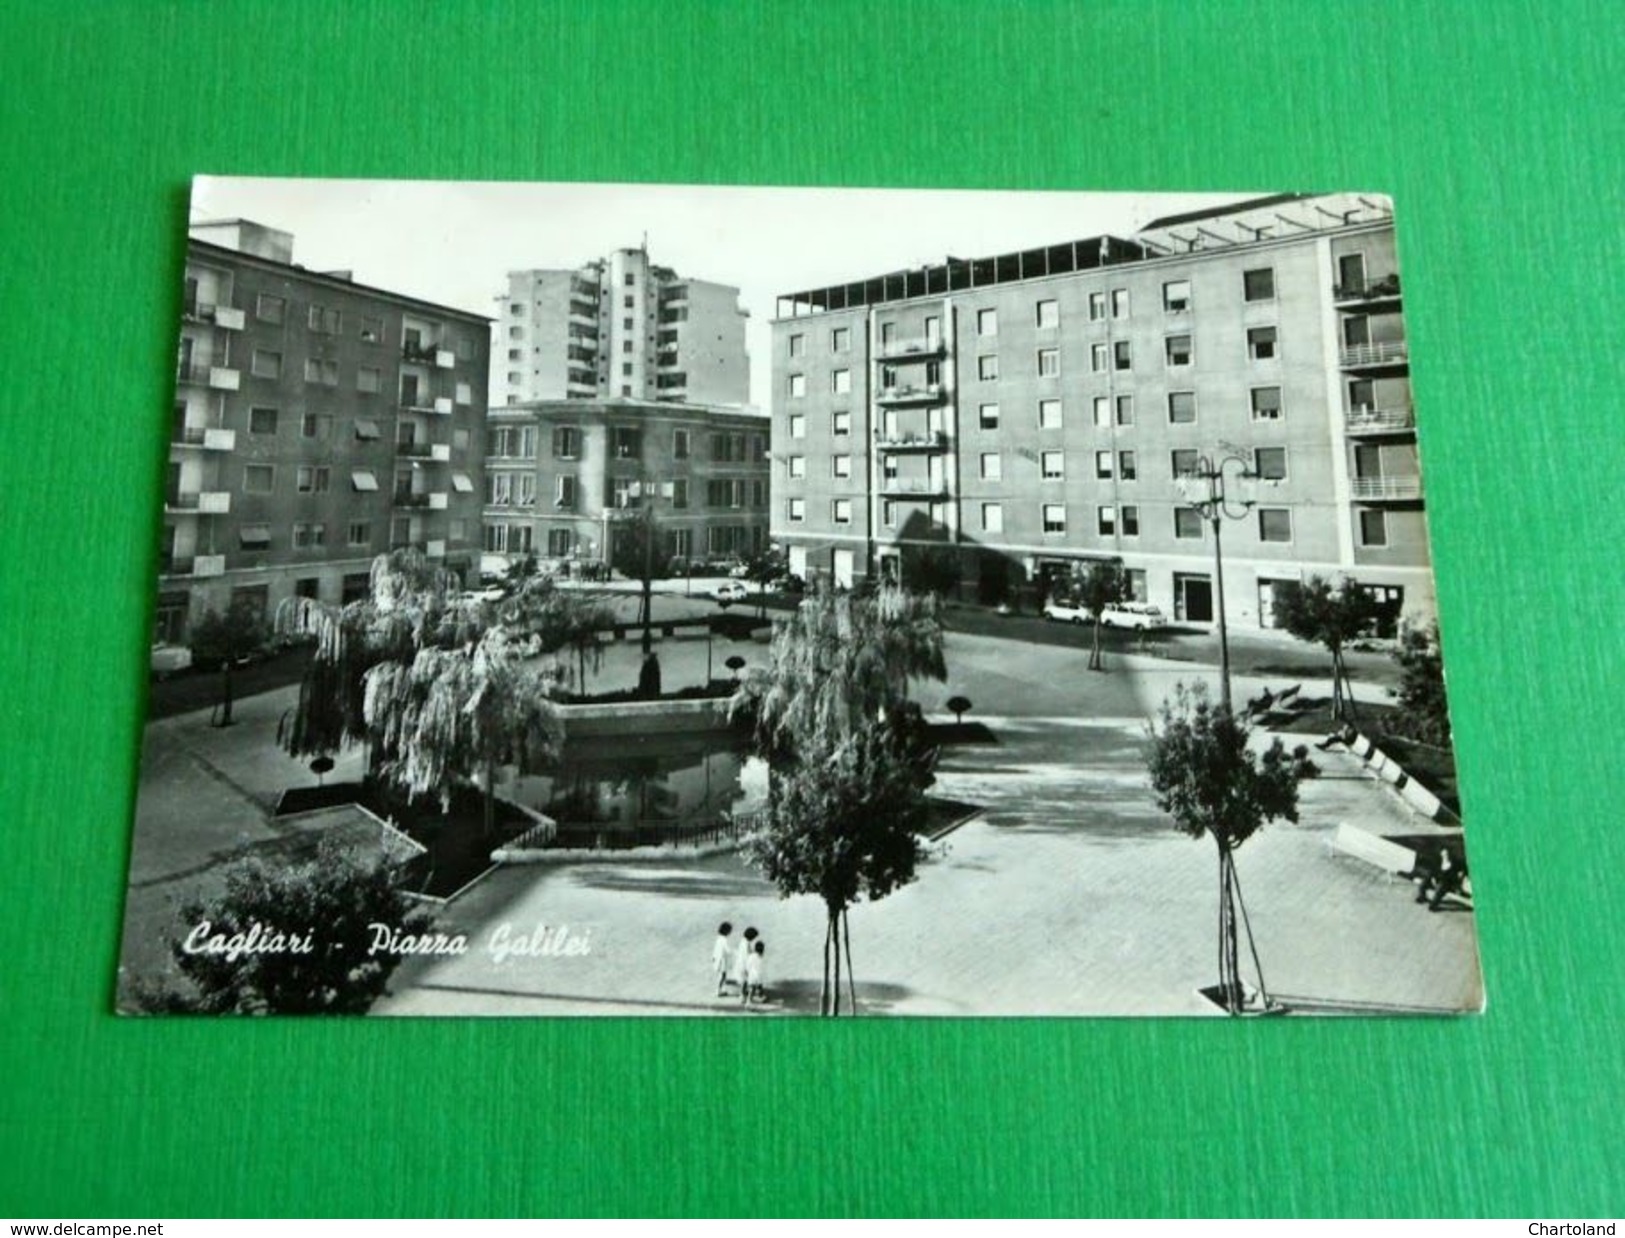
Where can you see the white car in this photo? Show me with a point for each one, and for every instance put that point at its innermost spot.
(730, 591)
(1064, 611)
(168, 660)
(1141, 616)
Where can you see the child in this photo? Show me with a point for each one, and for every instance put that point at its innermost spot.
(722, 955)
(740, 959)
(756, 974)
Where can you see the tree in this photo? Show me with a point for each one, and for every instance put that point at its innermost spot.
(227, 639)
(847, 823)
(1101, 585)
(1421, 685)
(959, 705)
(634, 552)
(281, 939)
(1207, 778)
(1317, 612)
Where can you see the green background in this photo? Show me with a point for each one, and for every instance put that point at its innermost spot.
(1498, 127)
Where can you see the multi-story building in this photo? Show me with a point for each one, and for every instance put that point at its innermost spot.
(317, 424)
(621, 327)
(1001, 422)
(560, 475)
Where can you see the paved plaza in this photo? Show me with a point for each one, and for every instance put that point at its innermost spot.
(1068, 894)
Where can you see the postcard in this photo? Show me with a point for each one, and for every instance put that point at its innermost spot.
(620, 600)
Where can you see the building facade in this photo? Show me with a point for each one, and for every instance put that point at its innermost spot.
(317, 424)
(995, 425)
(562, 474)
(621, 327)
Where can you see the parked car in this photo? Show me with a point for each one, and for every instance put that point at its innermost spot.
(730, 591)
(1141, 616)
(170, 660)
(1065, 610)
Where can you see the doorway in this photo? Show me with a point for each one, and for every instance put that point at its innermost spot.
(1193, 597)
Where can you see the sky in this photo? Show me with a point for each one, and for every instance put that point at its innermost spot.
(453, 242)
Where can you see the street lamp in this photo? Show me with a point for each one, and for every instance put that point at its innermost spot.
(1215, 506)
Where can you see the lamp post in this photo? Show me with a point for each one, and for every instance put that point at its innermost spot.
(1215, 506)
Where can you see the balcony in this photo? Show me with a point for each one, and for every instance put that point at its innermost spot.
(1390, 489)
(435, 549)
(924, 393)
(217, 377)
(200, 502)
(581, 316)
(428, 500)
(422, 353)
(1379, 420)
(445, 359)
(442, 405)
(1376, 355)
(913, 487)
(931, 440)
(197, 565)
(1368, 294)
(439, 453)
(207, 437)
(910, 350)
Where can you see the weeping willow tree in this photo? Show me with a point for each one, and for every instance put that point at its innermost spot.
(845, 747)
(441, 688)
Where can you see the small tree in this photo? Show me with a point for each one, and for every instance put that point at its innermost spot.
(227, 639)
(323, 910)
(735, 663)
(1102, 585)
(959, 705)
(1206, 777)
(1317, 612)
(1421, 685)
(847, 823)
(634, 553)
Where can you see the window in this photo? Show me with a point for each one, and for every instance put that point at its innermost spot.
(1103, 465)
(566, 442)
(1052, 466)
(1119, 302)
(309, 536)
(798, 345)
(626, 346)
(840, 511)
(364, 481)
(625, 442)
(1125, 466)
(527, 490)
(360, 533)
(311, 479)
(372, 330)
(626, 301)
(840, 339)
(322, 370)
(798, 386)
(840, 382)
(1176, 296)
(558, 542)
(325, 321)
(258, 478)
(992, 518)
(316, 425)
(1097, 306)
(1125, 410)
(933, 332)
(1274, 524)
(1049, 362)
(1181, 407)
(679, 444)
(464, 393)
(798, 426)
(459, 440)
(1187, 523)
(1097, 358)
(988, 416)
(1183, 463)
(1179, 350)
(795, 510)
(1261, 343)
(566, 491)
(457, 530)
(841, 424)
(1049, 315)
(262, 421)
(268, 308)
(266, 364)
(679, 492)
(888, 512)
(796, 466)
(1106, 521)
(992, 466)
(1130, 521)
(1266, 403)
(1122, 355)
(254, 536)
(987, 322)
(888, 333)
(1049, 414)
(987, 367)
(1258, 285)
(1270, 463)
(1103, 410)
(1055, 517)
(369, 381)
(1373, 527)
(840, 466)
(366, 430)
(889, 469)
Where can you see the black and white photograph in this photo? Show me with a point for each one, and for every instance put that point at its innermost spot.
(660, 600)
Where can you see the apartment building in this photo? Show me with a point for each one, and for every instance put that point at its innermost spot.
(561, 474)
(317, 424)
(621, 327)
(1000, 423)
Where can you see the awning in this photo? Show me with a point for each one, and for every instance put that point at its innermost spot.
(366, 428)
(364, 479)
(460, 482)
